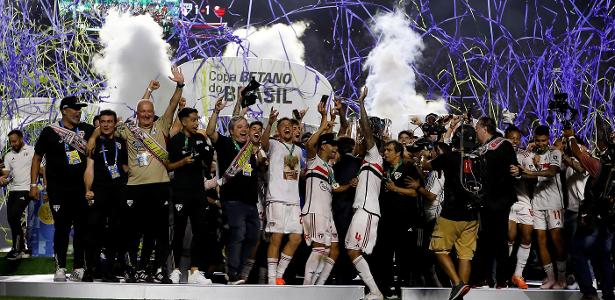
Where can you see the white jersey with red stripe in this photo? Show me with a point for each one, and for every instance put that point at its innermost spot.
(318, 187)
(370, 178)
(548, 193)
(526, 160)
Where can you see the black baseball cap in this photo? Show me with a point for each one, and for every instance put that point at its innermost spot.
(71, 102)
(327, 138)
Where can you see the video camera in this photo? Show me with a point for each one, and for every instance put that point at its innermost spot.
(564, 112)
(248, 94)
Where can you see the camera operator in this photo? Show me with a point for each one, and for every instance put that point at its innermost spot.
(499, 158)
(457, 224)
(595, 233)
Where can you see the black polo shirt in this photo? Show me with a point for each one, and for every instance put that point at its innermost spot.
(102, 176)
(395, 204)
(190, 176)
(240, 187)
(60, 174)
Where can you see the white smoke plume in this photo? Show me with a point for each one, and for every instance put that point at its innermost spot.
(279, 41)
(134, 53)
(391, 79)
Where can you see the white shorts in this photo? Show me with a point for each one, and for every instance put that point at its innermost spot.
(283, 218)
(521, 213)
(362, 232)
(548, 219)
(320, 229)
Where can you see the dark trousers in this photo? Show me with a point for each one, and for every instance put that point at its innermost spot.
(396, 242)
(103, 226)
(69, 209)
(189, 204)
(151, 205)
(244, 228)
(16, 204)
(492, 246)
(596, 246)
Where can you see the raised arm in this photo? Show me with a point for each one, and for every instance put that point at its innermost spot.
(178, 77)
(342, 109)
(213, 121)
(366, 130)
(310, 145)
(237, 110)
(273, 116)
(177, 124)
(153, 85)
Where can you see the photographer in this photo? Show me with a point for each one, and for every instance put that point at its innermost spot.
(595, 234)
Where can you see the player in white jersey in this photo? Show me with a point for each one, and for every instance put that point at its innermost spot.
(521, 215)
(361, 236)
(282, 200)
(548, 207)
(316, 215)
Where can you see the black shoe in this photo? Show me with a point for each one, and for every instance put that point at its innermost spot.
(458, 291)
(13, 255)
(235, 280)
(141, 276)
(110, 278)
(130, 276)
(87, 276)
(162, 277)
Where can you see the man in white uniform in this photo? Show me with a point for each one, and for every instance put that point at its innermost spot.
(282, 201)
(548, 207)
(361, 236)
(16, 174)
(521, 215)
(316, 215)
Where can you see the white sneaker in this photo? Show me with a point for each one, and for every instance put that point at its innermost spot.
(60, 275)
(573, 286)
(77, 274)
(374, 296)
(175, 275)
(198, 277)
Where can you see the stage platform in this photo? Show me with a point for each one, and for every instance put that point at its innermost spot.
(490, 294)
(43, 286)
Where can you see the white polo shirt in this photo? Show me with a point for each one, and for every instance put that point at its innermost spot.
(18, 164)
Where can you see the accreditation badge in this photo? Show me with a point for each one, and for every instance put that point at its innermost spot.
(114, 171)
(143, 159)
(73, 157)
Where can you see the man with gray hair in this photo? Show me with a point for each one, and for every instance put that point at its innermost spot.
(239, 192)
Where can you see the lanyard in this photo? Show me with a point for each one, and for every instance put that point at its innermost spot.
(390, 172)
(236, 145)
(105, 154)
(291, 150)
(76, 130)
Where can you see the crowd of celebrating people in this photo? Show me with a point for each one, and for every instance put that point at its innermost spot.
(455, 207)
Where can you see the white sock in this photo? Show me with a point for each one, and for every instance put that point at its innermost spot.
(549, 270)
(247, 268)
(282, 265)
(511, 245)
(326, 270)
(561, 270)
(312, 264)
(272, 265)
(522, 254)
(321, 266)
(366, 275)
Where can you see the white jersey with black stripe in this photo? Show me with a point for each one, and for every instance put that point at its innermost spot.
(318, 180)
(370, 178)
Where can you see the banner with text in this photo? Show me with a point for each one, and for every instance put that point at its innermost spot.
(284, 85)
